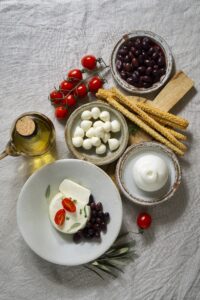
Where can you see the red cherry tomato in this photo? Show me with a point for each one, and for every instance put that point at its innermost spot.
(66, 86)
(70, 100)
(61, 112)
(144, 220)
(89, 62)
(75, 75)
(60, 217)
(56, 96)
(81, 90)
(69, 205)
(94, 84)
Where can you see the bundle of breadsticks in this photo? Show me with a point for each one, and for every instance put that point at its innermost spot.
(157, 123)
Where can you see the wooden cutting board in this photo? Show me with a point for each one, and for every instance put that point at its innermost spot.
(168, 97)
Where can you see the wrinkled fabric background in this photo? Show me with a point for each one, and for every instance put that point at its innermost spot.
(39, 41)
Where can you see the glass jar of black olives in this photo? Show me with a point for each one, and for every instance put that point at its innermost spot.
(141, 62)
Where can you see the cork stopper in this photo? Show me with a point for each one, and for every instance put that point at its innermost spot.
(25, 126)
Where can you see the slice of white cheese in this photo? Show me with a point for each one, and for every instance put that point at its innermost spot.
(73, 221)
(75, 191)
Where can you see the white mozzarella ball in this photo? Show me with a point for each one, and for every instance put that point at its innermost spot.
(98, 124)
(106, 137)
(105, 116)
(90, 133)
(87, 144)
(101, 149)
(113, 144)
(86, 115)
(107, 126)
(95, 141)
(95, 111)
(79, 132)
(85, 125)
(77, 141)
(115, 126)
(99, 132)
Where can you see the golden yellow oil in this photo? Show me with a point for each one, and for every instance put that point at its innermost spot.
(35, 163)
(41, 141)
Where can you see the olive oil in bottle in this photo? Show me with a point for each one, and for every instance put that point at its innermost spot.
(33, 134)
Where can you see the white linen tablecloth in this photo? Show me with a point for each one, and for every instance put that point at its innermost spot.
(39, 42)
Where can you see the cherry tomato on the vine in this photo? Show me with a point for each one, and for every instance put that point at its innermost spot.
(61, 112)
(81, 90)
(60, 217)
(89, 62)
(144, 221)
(66, 86)
(68, 204)
(70, 100)
(56, 96)
(75, 75)
(94, 84)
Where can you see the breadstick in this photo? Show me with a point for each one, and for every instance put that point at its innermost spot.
(177, 134)
(157, 114)
(148, 119)
(163, 115)
(143, 125)
(166, 122)
(106, 93)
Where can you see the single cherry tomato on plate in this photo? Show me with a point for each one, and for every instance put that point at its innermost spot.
(81, 90)
(56, 96)
(69, 205)
(94, 84)
(144, 221)
(66, 86)
(75, 75)
(61, 112)
(70, 100)
(89, 62)
(60, 217)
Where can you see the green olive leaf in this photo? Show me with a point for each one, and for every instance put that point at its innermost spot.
(112, 261)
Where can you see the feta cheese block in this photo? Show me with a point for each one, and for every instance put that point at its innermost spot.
(75, 191)
(78, 219)
(73, 221)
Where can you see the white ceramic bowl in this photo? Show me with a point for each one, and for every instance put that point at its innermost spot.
(125, 180)
(33, 219)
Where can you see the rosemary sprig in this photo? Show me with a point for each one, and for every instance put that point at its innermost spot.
(48, 190)
(85, 212)
(74, 226)
(114, 258)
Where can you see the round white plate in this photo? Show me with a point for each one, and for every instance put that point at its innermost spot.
(33, 216)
